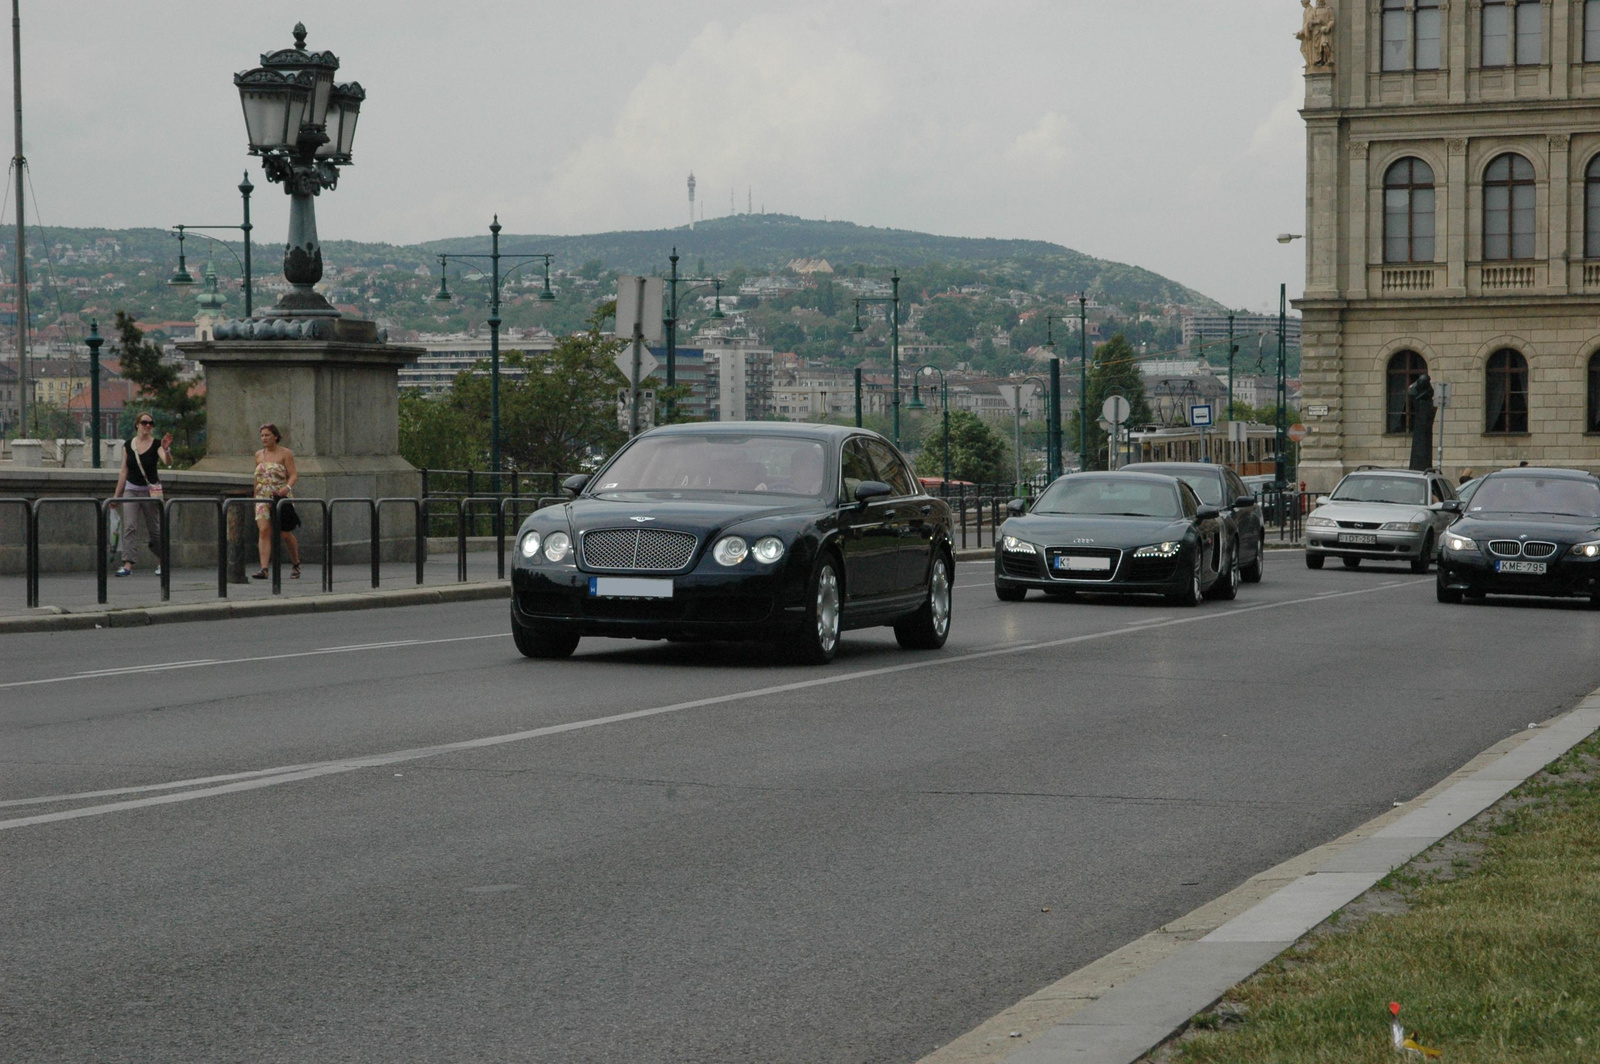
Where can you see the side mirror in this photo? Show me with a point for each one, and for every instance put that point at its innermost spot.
(1207, 513)
(1449, 506)
(575, 484)
(1322, 500)
(1017, 507)
(1244, 501)
(868, 490)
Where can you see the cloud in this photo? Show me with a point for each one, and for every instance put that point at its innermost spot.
(771, 103)
(1282, 130)
(1048, 145)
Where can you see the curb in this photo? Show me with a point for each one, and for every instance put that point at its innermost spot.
(1120, 1007)
(223, 610)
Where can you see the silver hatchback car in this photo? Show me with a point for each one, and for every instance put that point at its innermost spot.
(1382, 515)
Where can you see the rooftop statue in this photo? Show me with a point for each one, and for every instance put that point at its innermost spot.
(1316, 36)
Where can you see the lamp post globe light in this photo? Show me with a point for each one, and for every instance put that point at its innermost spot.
(916, 406)
(302, 126)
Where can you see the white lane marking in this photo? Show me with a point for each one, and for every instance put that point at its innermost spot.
(295, 773)
(1149, 620)
(150, 665)
(99, 674)
(148, 787)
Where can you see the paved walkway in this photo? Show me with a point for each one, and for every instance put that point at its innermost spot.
(75, 592)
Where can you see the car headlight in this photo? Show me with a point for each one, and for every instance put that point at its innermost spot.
(557, 545)
(767, 550)
(1012, 543)
(1159, 550)
(1455, 542)
(1321, 522)
(529, 546)
(730, 550)
(1587, 550)
(1400, 526)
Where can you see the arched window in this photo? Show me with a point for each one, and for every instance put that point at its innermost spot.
(1408, 212)
(1508, 198)
(1505, 393)
(1591, 210)
(1404, 369)
(1594, 393)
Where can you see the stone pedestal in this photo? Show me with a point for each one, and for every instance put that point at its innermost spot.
(337, 403)
(27, 454)
(72, 454)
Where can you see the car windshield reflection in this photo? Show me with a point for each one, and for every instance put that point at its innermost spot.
(1536, 495)
(1411, 491)
(1105, 497)
(733, 464)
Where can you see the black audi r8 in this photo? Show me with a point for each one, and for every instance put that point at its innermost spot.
(1219, 486)
(1124, 533)
(1526, 531)
(787, 533)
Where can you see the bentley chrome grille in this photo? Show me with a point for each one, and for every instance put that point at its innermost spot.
(638, 548)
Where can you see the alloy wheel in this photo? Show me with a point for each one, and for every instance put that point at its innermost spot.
(939, 597)
(828, 609)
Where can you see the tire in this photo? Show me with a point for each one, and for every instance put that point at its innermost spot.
(1443, 593)
(1351, 563)
(538, 643)
(1252, 572)
(818, 641)
(1421, 562)
(1010, 594)
(1226, 589)
(1191, 595)
(1314, 561)
(929, 627)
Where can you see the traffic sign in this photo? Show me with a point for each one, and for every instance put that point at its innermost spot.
(1297, 432)
(1115, 409)
(639, 304)
(1200, 415)
(648, 363)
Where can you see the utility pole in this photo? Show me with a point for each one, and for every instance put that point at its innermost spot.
(1282, 467)
(1232, 350)
(17, 163)
(894, 343)
(638, 355)
(858, 397)
(1083, 381)
(672, 315)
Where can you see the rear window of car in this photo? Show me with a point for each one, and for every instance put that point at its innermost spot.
(1537, 495)
(1107, 497)
(1375, 487)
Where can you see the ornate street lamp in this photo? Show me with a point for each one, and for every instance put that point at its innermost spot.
(303, 127)
(916, 406)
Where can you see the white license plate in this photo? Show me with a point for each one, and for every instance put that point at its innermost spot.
(1535, 568)
(1359, 541)
(628, 587)
(1091, 565)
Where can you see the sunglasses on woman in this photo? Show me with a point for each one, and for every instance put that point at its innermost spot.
(142, 424)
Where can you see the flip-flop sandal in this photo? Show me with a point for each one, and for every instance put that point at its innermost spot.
(260, 574)
(294, 572)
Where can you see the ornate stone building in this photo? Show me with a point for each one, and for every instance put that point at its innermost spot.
(1453, 228)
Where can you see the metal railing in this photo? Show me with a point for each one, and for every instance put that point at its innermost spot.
(455, 484)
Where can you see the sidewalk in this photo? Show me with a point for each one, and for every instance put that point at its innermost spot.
(68, 599)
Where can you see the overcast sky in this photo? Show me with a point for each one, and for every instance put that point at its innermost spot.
(1157, 132)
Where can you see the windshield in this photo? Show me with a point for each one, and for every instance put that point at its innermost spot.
(779, 465)
(1105, 497)
(1537, 495)
(1367, 487)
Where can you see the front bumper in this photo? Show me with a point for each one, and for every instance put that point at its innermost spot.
(1401, 545)
(1131, 576)
(732, 605)
(1475, 571)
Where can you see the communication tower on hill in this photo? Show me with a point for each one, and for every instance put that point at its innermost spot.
(691, 199)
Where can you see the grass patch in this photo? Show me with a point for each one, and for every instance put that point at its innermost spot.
(1490, 941)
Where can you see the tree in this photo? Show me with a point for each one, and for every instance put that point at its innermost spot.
(977, 452)
(436, 433)
(51, 421)
(1113, 370)
(172, 400)
(562, 412)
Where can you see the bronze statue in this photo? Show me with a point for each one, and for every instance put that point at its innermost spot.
(1316, 36)
(1420, 397)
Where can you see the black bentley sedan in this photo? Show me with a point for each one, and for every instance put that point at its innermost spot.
(787, 533)
(1129, 533)
(1219, 486)
(1526, 531)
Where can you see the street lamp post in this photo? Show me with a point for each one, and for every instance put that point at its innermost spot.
(1056, 464)
(1083, 381)
(302, 126)
(94, 341)
(495, 279)
(944, 405)
(1281, 467)
(671, 320)
(181, 276)
(1016, 408)
(893, 302)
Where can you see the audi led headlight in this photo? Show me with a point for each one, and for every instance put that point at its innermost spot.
(1159, 550)
(1012, 543)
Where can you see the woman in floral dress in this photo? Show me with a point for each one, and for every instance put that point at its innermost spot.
(275, 477)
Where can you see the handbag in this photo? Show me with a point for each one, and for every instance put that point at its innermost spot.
(157, 492)
(288, 519)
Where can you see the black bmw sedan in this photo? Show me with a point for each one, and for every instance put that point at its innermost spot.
(1121, 532)
(786, 533)
(1526, 531)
